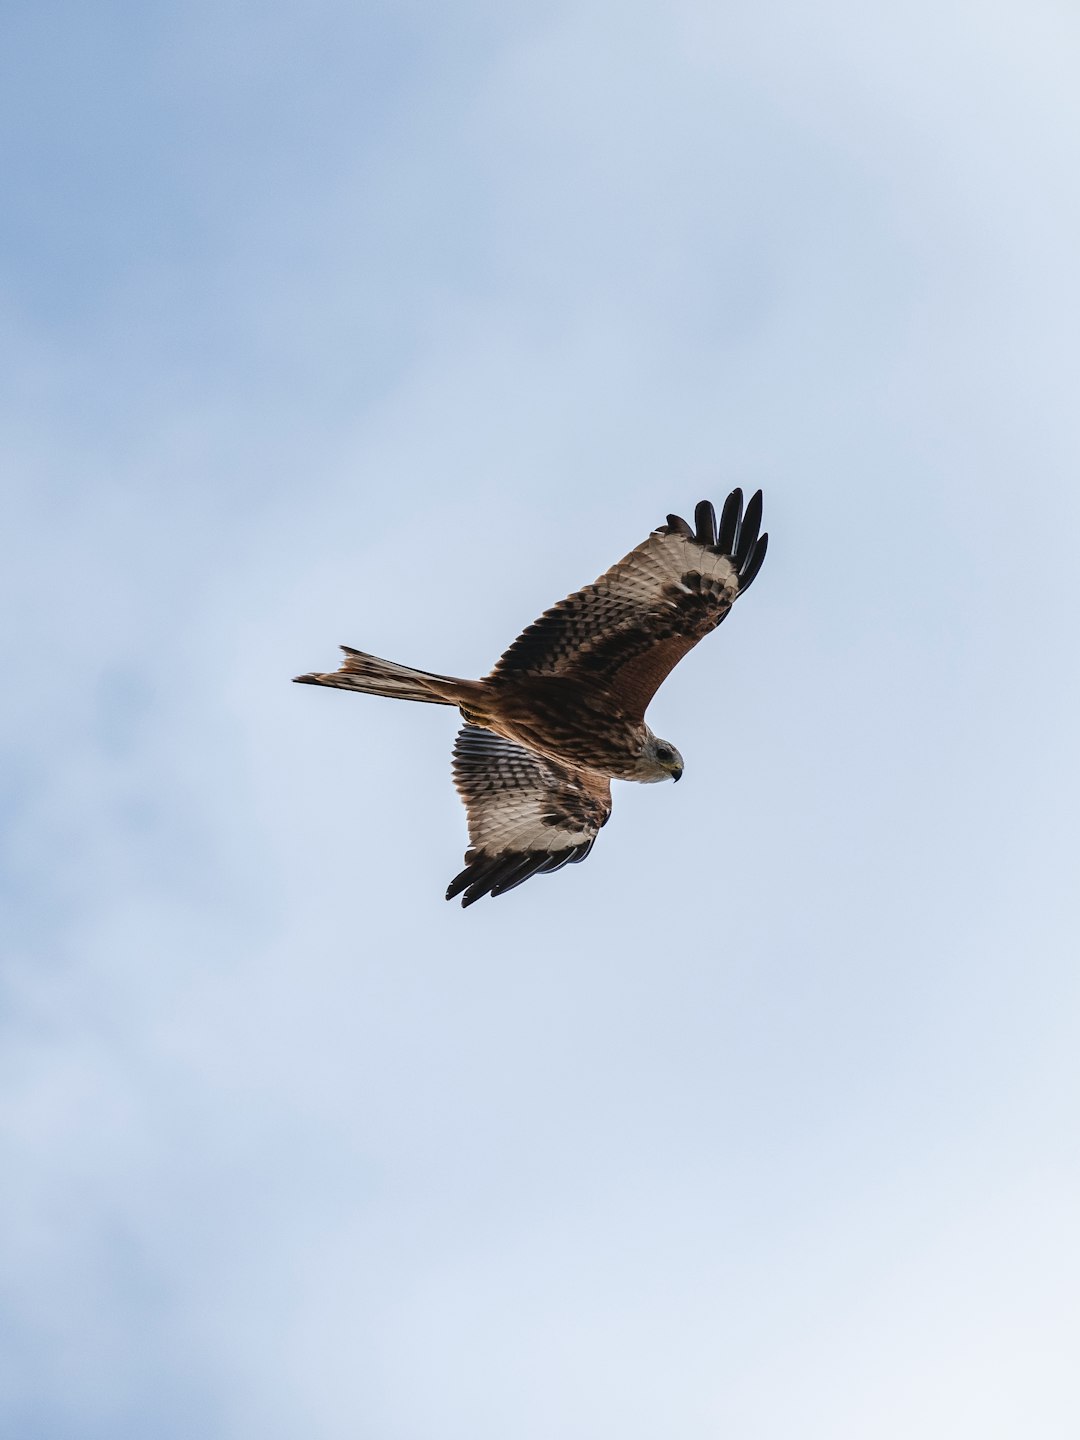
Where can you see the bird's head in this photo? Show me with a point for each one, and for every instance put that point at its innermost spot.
(659, 760)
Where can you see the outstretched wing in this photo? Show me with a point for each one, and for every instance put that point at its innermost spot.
(527, 815)
(626, 633)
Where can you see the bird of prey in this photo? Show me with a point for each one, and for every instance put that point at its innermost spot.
(563, 712)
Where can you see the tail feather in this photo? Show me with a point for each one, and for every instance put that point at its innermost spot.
(372, 676)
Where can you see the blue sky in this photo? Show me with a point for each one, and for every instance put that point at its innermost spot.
(390, 325)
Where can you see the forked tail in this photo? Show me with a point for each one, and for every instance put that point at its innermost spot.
(372, 676)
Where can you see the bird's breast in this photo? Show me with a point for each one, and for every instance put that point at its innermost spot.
(554, 716)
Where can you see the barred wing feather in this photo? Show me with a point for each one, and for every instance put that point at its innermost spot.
(527, 815)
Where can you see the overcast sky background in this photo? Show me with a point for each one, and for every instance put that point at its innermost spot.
(390, 324)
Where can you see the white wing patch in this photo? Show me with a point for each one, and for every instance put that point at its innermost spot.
(640, 579)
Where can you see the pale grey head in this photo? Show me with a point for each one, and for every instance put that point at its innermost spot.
(658, 760)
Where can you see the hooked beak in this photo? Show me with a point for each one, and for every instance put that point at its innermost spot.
(677, 774)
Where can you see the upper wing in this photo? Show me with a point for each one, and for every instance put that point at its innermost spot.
(527, 815)
(626, 632)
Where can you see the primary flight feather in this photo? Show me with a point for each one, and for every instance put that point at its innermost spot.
(563, 712)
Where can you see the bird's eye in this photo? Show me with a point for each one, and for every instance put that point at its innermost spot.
(663, 754)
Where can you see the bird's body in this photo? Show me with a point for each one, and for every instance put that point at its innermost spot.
(563, 712)
(564, 720)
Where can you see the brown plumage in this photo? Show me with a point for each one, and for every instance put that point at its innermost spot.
(563, 711)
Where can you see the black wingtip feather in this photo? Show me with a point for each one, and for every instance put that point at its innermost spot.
(748, 530)
(555, 861)
(748, 573)
(503, 874)
(705, 521)
(481, 881)
(458, 884)
(676, 525)
(729, 522)
(531, 865)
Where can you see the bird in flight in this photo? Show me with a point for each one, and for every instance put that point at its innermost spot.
(563, 712)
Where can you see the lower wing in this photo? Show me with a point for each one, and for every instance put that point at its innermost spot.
(528, 815)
